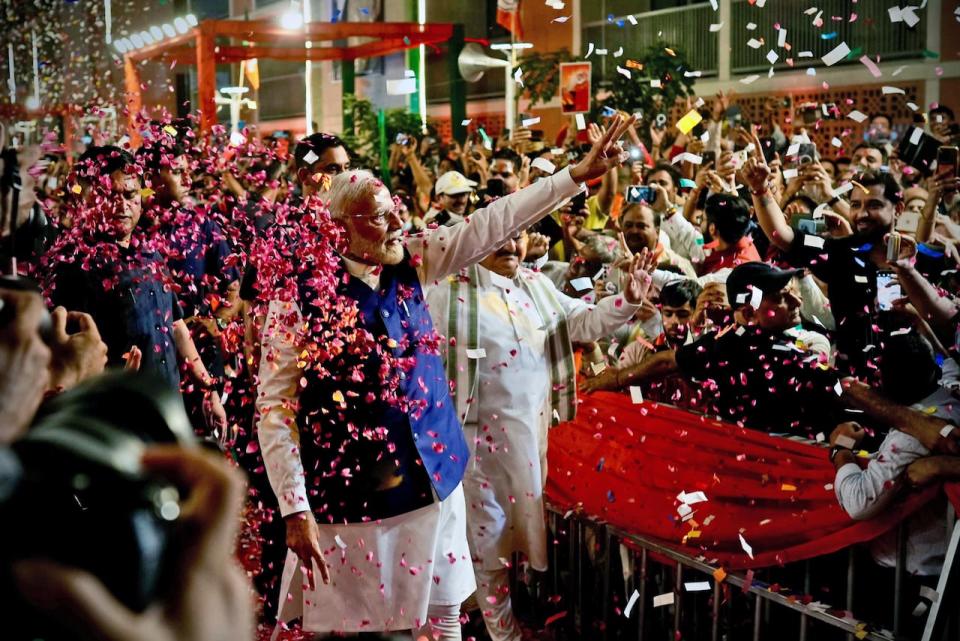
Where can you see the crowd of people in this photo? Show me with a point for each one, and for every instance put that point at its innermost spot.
(383, 355)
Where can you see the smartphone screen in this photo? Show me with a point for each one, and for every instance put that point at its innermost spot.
(637, 194)
(888, 290)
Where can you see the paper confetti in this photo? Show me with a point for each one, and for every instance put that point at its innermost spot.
(632, 602)
(663, 599)
(835, 56)
(746, 546)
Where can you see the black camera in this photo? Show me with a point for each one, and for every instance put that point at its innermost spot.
(79, 496)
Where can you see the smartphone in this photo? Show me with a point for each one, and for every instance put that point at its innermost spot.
(710, 157)
(806, 154)
(402, 139)
(948, 158)
(908, 223)
(893, 246)
(888, 290)
(641, 194)
(660, 122)
(815, 226)
(769, 148)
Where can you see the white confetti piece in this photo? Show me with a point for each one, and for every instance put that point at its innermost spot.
(561, 19)
(601, 52)
(857, 116)
(697, 586)
(895, 14)
(836, 142)
(913, 106)
(813, 241)
(845, 441)
(716, 27)
(589, 49)
(751, 26)
(518, 76)
(749, 79)
(886, 90)
(618, 52)
(861, 279)
(838, 389)
(340, 542)
(910, 17)
(791, 173)
(811, 71)
(582, 284)
(756, 297)
(655, 83)
(916, 136)
(636, 395)
(746, 546)
(760, 3)
(713, 3)
(782, 38)
(687, 157)
(598, 368)
(772, 56)
(477, 353)
(311, 157)
(811, 11)
(805, 54)
(692, 74)
(544, 165)
(464, 123)
(835, 56)
(581, 122)
(632, 20)
(624, 72)
(753, 43)
(663, 599)
(945, 430)
(632, 602)
(691, 498)
(529, 122)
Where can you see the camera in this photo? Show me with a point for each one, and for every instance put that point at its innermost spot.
(79, 496)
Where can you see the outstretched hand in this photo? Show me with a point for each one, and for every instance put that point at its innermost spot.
(606, 152)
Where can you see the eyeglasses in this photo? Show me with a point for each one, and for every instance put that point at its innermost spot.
(380, 218)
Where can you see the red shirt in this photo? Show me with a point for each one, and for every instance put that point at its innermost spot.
(743, 252)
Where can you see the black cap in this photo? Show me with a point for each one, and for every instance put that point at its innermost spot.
(755, 275)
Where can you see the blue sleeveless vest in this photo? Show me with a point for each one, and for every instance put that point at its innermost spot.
(365, 458)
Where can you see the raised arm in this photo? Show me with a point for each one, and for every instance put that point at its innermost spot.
(446, 250)
(756, 174)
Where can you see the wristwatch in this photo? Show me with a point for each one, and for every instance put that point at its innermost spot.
(833, 201)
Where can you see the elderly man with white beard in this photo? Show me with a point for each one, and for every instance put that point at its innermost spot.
(369, 487)
(510, 352)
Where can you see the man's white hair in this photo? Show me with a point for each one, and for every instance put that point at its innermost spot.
(349, 188)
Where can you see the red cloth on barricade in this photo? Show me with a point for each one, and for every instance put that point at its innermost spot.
(626, 464)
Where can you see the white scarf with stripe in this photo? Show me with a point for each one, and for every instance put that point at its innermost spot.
(462, 323)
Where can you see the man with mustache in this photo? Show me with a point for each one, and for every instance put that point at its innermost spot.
(510, 334)
(367, 459)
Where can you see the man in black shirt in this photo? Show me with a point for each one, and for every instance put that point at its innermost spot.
(848, 265)
(761, 372)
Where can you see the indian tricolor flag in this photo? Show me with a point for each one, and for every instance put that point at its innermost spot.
(508, 16)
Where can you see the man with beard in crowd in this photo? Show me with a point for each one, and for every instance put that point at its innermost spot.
(367, 459)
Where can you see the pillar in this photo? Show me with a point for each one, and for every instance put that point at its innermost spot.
(458, 86)
(206, 80)
(348, 74)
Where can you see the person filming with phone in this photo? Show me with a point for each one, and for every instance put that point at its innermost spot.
(853, 267)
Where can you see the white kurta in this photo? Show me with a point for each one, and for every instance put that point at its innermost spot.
(386, 573)
(507, 473)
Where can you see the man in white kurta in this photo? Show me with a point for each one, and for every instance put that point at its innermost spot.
(519, 357)
(398, 572)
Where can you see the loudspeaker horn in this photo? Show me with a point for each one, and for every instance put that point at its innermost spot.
(473, 62)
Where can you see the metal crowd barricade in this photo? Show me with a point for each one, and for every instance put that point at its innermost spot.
(576, 526)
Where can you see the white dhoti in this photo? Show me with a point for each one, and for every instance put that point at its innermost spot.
(384, 575)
